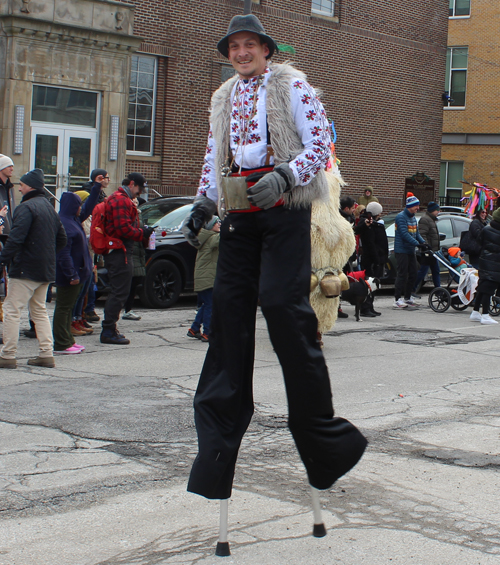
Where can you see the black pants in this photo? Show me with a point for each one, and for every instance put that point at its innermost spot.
(266, 255)
(134, 283)
(405, 275)
(120, 277)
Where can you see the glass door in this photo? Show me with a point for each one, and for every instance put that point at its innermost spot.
(67, 156)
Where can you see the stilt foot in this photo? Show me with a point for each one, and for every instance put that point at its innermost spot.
(222, 549)
(319, 530)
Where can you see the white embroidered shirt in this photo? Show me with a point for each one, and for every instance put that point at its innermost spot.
(248, 121)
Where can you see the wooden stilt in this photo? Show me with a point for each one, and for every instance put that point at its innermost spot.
(222, 549)
(319, 529)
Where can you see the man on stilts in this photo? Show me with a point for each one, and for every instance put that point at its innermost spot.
(269, 127)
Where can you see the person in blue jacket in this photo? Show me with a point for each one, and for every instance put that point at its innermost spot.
(73, 266)
(406, 239)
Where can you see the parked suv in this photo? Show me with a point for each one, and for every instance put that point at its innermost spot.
(169, 267)
(449, 223)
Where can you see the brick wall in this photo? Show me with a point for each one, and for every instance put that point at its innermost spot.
(380, 68)
(482, 111)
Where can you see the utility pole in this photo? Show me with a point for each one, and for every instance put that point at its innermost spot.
(248, 7)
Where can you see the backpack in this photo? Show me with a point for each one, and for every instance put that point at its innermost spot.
(469, 245)
(100, 242)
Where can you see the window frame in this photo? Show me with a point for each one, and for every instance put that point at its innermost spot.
(444, 184)
(153, 107)
(323, 13)
(459, 17)
(448, 80)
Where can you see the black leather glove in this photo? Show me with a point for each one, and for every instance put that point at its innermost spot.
(268, 190)
(202, 212)
(425, 247)
(146, 232)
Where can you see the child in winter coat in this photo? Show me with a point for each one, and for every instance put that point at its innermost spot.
(204, 277)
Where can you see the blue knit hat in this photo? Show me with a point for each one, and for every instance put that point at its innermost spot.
(433, 206)
(412, 200)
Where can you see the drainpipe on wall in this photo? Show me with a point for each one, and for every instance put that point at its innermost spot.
(248, 7)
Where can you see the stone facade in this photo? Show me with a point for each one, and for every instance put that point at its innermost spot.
(81, 45)
(477, 126)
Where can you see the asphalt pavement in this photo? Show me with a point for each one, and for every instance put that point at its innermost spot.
(95, 454)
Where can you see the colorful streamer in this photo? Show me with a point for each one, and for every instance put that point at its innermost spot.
(480, 197)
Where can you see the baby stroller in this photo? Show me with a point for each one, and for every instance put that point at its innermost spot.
(441, 298)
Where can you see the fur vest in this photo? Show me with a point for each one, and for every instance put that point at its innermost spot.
(285, 139)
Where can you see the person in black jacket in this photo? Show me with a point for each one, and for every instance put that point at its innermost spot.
(475, 229)
(30, 254)
(489, 270)
(375, 249)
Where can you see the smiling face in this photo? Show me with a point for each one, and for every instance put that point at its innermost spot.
(247, 54)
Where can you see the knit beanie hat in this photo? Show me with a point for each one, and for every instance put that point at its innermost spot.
(211, 223)
(412, 200)
(96, 172)
(433, 206)
(83, 194)
(34, 179)
(496, 215)
(5, 162)
(454, 251)
(375, 208)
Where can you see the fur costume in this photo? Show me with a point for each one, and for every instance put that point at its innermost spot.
(332, 243)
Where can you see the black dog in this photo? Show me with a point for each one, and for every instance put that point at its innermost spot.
(359, 291)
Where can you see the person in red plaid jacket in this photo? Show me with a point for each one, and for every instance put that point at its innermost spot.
(122, 223)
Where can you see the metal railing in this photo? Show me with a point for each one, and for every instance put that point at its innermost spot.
(451, 201)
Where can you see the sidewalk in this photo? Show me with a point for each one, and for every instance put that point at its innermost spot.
(95, 454)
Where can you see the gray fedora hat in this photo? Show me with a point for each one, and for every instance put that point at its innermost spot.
(250, 23)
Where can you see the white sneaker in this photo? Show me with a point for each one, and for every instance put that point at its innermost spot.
(410, 302)
(131, 316)
(400, 303)
(487, 319)
(475, 316)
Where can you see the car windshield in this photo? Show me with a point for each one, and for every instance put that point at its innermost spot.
(172, 221)
(156, 210)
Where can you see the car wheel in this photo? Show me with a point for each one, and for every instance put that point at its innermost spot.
(163, 284)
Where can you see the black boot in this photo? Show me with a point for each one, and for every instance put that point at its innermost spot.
(109, 335)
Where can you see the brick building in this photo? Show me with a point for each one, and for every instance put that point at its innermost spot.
(380, 65)
(471, 125)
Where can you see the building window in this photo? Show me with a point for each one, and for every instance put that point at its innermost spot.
(459, 8)
(456, 75)
(450, 187)
(323, 7)
(141, 108)
(64, 106)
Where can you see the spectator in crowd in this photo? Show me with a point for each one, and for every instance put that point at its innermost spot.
(139, 257)
(347, 207)
(489, 270)
(406, 239)
(204, 277)
(30, 253)
(80, 325)
(427, 226)
(476, 227)
(367, 197)
(73, 267)
(375, 249)
(7, 203)
(121, 223)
